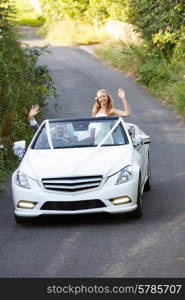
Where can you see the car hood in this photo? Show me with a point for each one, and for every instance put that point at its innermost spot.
(67, 162)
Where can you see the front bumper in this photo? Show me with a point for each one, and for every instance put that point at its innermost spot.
(105, 192)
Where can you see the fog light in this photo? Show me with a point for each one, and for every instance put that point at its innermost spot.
(121, 200)
(26, 204)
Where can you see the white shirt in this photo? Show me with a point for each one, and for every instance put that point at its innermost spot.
(33, 122)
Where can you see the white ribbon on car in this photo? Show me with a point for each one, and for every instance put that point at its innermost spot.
(49, 134)
(98, 146)
(109, 133)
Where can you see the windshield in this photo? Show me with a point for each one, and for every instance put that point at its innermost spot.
(80, 133)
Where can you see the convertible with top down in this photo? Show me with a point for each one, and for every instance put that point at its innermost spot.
(82, 165)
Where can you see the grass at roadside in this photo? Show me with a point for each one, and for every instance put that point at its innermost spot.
(164, 78)
(119, 56)
(67, 33)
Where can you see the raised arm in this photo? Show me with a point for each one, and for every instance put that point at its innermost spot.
(127, 110)
(33, 112)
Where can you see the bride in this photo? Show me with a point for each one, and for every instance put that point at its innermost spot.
(104, 105)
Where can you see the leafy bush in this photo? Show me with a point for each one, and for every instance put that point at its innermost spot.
(92, 12)
(153, 72)
(26, 15)
(179, 99)
(79, 21)
(56, 10)
(161, 22)
(124, 57)
(22, 83)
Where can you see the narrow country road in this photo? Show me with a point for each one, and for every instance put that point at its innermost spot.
(105, 245)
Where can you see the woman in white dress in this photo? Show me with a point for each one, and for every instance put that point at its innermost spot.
(104, 105)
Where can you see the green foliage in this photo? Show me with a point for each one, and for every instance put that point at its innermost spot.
(179, 100)
(161, 22)
(153, 15)
(25, 14)
(79, 21)
(152, 73)
(99, 11)
(57, 10)
(124, 57)
(22, 83)
(26, 21)
(89, 11)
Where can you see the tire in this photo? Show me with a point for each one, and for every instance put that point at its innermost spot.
(138, 213)
(147, 186)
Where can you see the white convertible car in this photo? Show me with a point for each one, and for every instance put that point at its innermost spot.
(84, 165)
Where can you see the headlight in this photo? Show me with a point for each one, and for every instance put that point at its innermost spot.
(21, 180)
(125, 175)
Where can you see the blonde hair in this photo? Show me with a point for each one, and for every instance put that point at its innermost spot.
(97, 105)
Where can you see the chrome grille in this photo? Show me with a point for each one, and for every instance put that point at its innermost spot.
(72, 184)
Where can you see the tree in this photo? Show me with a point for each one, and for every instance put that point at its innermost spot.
(161, 22)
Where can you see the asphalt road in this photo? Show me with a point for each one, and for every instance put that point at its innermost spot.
(105, 245)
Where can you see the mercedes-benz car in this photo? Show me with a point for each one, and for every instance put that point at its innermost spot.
(82, 165)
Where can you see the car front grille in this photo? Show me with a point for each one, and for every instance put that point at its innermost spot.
(72, 184)
(72, 205)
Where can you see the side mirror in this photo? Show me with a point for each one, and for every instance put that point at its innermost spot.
(141, 140)
(146, 139)
(19, 149)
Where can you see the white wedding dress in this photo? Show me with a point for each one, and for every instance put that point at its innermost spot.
(101, 130)
(101, 115)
